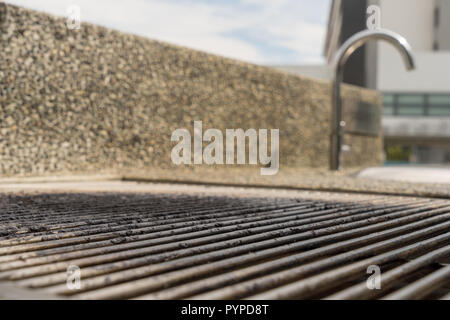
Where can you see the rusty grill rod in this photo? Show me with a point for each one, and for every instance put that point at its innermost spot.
(288, 248)
(127, 215)
(421, 288)
(96, 282)
(279, 279)
(326, 280)
(245, 229)
(211, 247)
(389, 278)
(229, 278)
(25, 244)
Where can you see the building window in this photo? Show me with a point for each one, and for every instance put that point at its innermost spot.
(388, 104)
(410, 105)
(407, 104)
(439, 105)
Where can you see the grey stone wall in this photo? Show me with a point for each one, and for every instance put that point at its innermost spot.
(95, 100)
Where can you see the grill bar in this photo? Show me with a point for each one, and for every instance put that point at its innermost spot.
(156, 246)
(389, 278)
(242, 235)
(424, 286)
(243, 274)
(96, 282)
(129, 216)
(301, 289)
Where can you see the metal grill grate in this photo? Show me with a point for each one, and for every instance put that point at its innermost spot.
(150, 246)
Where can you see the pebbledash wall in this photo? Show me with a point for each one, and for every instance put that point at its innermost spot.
(95, 100)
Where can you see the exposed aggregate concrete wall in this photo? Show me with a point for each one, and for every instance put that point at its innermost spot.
(95, 100)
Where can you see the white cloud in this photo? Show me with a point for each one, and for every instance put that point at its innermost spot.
(218, 27)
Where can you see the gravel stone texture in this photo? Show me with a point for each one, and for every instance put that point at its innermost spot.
(99, 101)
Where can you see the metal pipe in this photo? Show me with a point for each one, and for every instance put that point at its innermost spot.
(422, 287)
(395, 276)
(325, 280)
(239, 233)
(341, 57)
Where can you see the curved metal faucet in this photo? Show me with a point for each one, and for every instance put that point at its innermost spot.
(341, 57)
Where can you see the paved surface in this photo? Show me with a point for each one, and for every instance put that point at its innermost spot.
(349, 181)
(166, 188)
(408, 174)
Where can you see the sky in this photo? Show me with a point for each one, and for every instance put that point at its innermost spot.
(270, 32)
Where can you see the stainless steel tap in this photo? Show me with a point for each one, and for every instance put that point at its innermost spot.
(341, 57)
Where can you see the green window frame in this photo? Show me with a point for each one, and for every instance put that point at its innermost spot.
(416, 104)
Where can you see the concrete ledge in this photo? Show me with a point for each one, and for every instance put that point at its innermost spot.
(414, 174)
(287, 179)
(101, 187)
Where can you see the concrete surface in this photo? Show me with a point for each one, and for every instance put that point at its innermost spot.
(96, 100)
(415, 174)
(346, 181)
(180, 188)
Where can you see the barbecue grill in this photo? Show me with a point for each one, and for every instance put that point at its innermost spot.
(212, 246)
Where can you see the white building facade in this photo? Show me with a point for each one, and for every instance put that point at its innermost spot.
(417, 103)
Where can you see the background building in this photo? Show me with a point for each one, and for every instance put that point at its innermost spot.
(416, 119)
